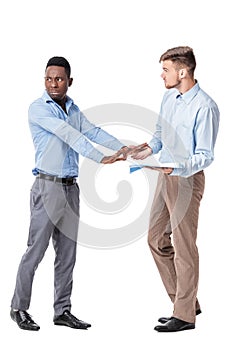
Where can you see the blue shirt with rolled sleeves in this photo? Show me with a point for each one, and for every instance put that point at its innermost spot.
(186, 130)
(60, 137)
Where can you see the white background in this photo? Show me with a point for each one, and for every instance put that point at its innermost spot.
(114, 48)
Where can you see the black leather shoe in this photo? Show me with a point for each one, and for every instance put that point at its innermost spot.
(69, 320)
(166, 319)
(175, 325)
(24, 320)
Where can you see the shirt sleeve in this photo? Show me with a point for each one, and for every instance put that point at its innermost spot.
(156, 143)
(205, 134)
(98, 135)
(42, 116)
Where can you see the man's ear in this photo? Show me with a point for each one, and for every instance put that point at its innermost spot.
(183, 73)
(70, 81)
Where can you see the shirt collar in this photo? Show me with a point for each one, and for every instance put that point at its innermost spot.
(190, 94)
(47, 98)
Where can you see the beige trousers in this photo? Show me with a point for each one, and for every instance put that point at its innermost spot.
(172, 239)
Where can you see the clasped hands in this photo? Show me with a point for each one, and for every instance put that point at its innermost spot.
(126, 151)
(136, 152)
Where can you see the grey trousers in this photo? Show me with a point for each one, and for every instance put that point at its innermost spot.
(54, 213)
(172, 239)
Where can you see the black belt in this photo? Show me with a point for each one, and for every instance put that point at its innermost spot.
(62, 180)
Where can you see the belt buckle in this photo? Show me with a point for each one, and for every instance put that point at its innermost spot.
(71, 181)
(68, 181)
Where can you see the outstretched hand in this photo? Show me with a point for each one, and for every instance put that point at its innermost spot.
(141, 151)
(119, 155)
(136, 152)
(110, 159)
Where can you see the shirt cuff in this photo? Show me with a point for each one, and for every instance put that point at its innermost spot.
(155, 147)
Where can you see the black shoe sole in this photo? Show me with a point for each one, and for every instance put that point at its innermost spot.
(68, 325)
(29, 329)
(166, 330)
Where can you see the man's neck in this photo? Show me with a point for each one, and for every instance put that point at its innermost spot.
(186, 85)
(62, 104)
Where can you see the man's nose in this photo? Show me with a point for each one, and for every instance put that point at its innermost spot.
(54, 83)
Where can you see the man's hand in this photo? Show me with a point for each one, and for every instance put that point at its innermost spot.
(136, 152)
(114, 158)
(123, 153)
(141, 151)
(166, 171)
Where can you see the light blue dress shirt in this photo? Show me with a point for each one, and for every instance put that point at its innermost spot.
(59, 138)
(186, 130)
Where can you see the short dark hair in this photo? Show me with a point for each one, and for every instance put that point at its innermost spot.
(182, 56)
(61, 62)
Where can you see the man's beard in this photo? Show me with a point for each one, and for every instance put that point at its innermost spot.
(175, 85)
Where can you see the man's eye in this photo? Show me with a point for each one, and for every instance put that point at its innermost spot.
(47, 79)
(59, 79)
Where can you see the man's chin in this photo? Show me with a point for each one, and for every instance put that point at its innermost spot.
(173, 86)
(55, 96)
(167, 86)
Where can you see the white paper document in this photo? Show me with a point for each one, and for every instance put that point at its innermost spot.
(151, 162)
